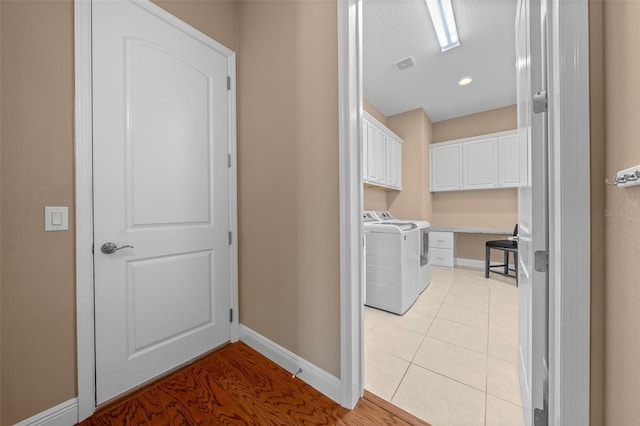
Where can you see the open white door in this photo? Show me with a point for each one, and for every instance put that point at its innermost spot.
(533, 211)
(161, 194)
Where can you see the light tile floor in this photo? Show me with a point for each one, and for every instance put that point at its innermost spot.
(450, 359)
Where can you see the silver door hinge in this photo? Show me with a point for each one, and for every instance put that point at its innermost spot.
(540, 102)
(228, 160)
(93, 249)
(230, 315)
(228, 83)
(541, 261)
(230, 238)
(540, 417)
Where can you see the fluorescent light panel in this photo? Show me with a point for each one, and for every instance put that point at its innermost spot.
(444, 23)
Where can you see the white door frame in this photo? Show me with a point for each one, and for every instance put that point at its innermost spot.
(84, 195)
(569, 305)
(351, 237)
(569, 214)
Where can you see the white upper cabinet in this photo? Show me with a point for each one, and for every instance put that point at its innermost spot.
(376, 152)
(508, 162)
(365, 144)
(481, 162)
(446, 170)
(382, 155)
(394, 163)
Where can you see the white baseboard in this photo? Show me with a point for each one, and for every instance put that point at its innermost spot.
(64, 414)
(470, 263)
(325, 382)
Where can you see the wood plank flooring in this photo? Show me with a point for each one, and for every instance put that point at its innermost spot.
(238, 386)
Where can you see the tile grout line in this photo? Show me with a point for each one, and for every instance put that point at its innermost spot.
(486, 390)
(422, 341)
(454, 380)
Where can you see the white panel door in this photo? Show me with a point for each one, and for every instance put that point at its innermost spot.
(532, 211)
(161, 185)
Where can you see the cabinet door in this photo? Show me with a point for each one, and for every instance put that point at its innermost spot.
(394, 162)
(445, 168)
(508, 161)
(480, 164)
(376, 152)
(365, 144)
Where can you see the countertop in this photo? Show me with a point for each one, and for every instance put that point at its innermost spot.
(473, 230)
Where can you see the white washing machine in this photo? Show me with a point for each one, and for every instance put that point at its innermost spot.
(392, 262)
(424, 227)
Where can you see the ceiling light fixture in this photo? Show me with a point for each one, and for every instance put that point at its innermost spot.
(464, 81)
(444, 23)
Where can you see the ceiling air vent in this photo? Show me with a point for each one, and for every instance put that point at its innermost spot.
(405, 63)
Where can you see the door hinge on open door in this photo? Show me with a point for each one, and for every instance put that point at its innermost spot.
(228, 83)
(228, 160)
(540, 102)
(541, 261)
(230, 237)
(540, 417)
(230, 315)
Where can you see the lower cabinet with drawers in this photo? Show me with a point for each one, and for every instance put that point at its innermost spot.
(442, 249)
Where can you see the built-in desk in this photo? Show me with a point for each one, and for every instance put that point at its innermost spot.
(442, 242)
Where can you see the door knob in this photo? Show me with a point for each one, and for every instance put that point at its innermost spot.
(110, 248)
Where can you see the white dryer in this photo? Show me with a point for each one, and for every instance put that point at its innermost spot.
(392, 262)
(424, 227)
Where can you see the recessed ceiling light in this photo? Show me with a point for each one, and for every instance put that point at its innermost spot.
(465, 80)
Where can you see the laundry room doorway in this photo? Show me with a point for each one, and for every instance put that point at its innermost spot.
(440, 360)
(567, 36)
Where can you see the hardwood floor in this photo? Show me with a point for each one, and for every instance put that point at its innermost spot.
(238, 386)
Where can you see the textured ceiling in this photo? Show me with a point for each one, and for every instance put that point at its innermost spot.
(396, 29)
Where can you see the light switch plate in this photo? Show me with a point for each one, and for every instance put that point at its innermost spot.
(56, 218)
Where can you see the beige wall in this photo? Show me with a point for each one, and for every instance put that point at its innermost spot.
(496, 120)
(37, 283)
(495, 208)
(38, 288)
(0, 216)
(216, 18)
(622, 225)
(288, 161)
(414, 201)
(374, 198)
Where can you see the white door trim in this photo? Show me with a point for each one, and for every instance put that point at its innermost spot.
(351, 254)
(569, 343)
(84, 194)
(569, 199)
